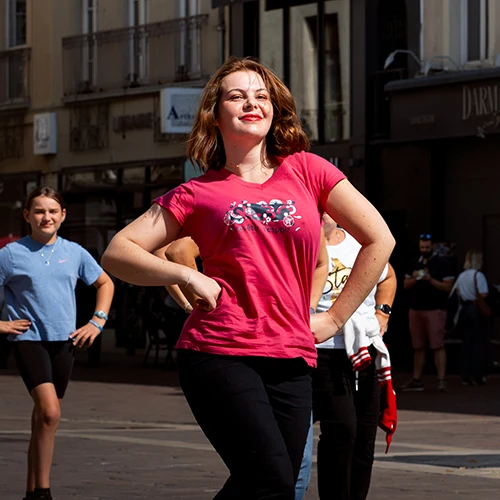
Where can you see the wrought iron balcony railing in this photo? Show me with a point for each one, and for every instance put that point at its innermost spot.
(15, 77)
(150, 54)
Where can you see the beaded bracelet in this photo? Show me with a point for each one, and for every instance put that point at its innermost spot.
(97, 325)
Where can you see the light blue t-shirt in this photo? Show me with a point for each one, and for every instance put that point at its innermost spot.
(44, 294)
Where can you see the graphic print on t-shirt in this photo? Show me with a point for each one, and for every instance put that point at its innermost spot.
(337, 277)
(275, 213)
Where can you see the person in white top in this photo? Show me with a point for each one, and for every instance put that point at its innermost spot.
(470, 283)
(345, 402)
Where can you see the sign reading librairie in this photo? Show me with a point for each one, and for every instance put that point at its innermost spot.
(179, 106)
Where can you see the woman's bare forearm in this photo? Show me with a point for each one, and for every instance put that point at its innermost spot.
(386, 289)
(104, 296)
(356, 214)
(131, 263)
(184, 252)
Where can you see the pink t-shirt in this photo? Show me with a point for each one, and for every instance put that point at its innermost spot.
(260, 243)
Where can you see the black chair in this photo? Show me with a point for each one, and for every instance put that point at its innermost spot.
(163, 331)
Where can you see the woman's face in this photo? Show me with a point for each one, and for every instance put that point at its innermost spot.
(45, 217)
(245, 109)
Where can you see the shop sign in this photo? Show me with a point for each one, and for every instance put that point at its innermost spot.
(479, 101)
(45, 134)
(422, 119)
(125, 123)
(439, 111)
(178, 109)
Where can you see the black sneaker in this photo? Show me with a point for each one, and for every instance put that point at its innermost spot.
(413, 385)
(42, 495)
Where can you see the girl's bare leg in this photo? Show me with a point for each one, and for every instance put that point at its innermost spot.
(30, 483)
(45, 420)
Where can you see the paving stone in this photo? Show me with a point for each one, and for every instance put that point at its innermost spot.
(127, 433)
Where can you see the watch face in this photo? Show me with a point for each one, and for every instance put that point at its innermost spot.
(385, 308)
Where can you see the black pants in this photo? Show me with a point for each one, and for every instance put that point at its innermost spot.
(474, 331)
(255, 411)
(348, 425)
(41, 362)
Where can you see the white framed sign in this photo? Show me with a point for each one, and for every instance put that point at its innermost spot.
(179, 106)
(45, 134)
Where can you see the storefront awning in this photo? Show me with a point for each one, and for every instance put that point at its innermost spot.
(462, 104)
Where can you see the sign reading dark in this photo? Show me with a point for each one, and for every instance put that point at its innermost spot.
(479, 101)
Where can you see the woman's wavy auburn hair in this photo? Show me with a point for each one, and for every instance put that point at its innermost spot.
(285, 137)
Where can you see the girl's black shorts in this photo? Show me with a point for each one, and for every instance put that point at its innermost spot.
(41, 362)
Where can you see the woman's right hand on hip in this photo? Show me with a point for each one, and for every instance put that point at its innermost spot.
(207, 289)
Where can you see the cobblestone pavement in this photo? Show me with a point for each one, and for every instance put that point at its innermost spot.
(127, 433)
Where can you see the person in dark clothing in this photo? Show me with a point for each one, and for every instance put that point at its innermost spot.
(430, 279)
(470, 284)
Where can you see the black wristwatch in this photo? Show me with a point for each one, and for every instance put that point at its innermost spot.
(385, 308)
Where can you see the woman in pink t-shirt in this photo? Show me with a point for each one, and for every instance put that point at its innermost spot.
(246, 349)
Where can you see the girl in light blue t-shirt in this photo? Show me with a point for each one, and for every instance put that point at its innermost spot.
(39, 274)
